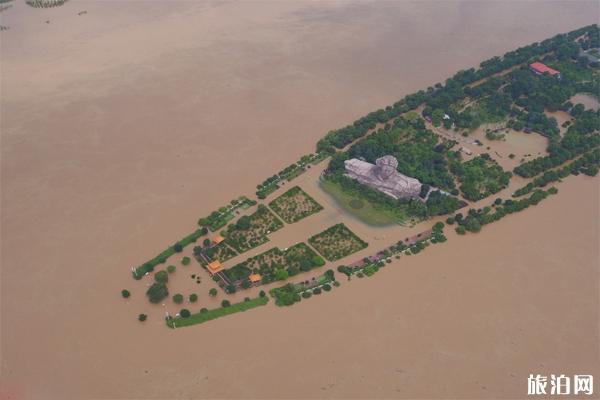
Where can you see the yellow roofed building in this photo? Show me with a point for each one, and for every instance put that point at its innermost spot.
(218, 239)
(215, 267)
(254, 278)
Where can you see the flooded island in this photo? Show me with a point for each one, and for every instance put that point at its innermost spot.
(298, 200)
(415, 163)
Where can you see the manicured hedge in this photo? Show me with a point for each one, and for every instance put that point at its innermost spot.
(140, 271)
(208, 315)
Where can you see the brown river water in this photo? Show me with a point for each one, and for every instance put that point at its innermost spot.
(123, 125)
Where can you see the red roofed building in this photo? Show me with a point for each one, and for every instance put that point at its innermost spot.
(540, 68)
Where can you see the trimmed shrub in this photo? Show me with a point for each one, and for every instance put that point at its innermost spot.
(157, 292)
(184, 313)
(225, 303)
(327, 287)
(185, 260)
(316, 290)
(161, 276)
(329, 274)
(193, 298)
(171, 269)
(142, 317)
(178, 298)
(306, 295)
(125, 293)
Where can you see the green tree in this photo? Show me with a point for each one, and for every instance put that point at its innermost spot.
(125, 293)
(243, 223)
(157, 292)
(286, 295)
(184, 313)
(281, 274)
(436, 116)
(161, 276)
(185, 260)
(171, 269)
(193, 298)
(345, 270)
(329, 274)
(472, 224)
(212, 292)
(178, 298)
(225, 303)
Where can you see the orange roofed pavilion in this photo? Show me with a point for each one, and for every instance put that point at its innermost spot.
(215, 267)
(255, 278)
(218, 239)
(540, 68)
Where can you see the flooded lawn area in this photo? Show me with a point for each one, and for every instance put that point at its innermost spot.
(590, 102)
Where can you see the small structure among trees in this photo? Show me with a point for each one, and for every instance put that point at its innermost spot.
(541, 68)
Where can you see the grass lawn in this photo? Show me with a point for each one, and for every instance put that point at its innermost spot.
(369, 213)
(199, 318)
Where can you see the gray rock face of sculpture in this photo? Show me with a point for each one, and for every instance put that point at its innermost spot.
(383, 176)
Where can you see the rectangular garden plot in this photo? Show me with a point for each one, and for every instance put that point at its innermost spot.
(276, 264)
(220, 252)
(294, 205)
(251, 231)
(337, 242)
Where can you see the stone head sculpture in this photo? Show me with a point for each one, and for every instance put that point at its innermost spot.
(386, 166)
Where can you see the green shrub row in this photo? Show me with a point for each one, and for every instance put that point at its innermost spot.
(209, 315)
(140, 271)
(271, 184)
(475, 219)
(588, 164)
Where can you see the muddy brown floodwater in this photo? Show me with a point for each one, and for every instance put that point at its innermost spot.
(122, 125)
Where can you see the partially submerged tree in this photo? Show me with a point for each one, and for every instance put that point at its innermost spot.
(157, 292)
